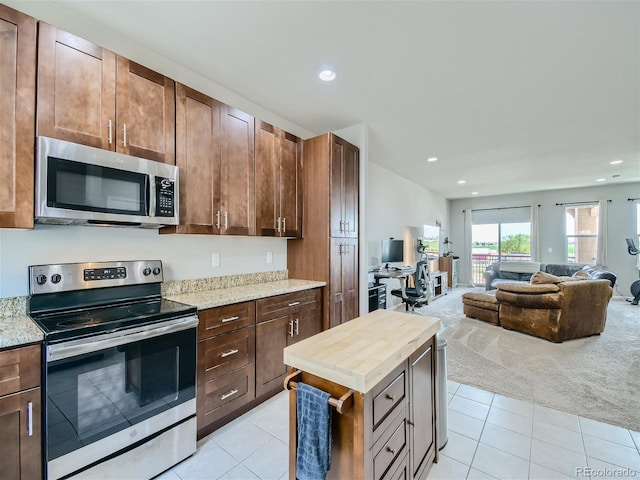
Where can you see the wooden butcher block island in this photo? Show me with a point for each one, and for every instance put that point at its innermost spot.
(380, 371)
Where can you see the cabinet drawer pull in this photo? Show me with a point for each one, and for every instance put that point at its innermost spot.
(30, 419)
(230, 319)
(392, 451)
(293, 304)
(229, 394)
(230, 352)
(391, 397)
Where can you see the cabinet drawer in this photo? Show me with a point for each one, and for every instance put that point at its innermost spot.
(20, 369)
(224, 353)
(214, 321)
(221, 396)
(392, 449)
(287, 304)
(385, 401)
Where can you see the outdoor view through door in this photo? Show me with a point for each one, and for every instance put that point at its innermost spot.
(493, 242)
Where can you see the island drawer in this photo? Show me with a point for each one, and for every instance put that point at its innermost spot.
(390, 448)
(217, 320)
(287, 304)
(224, 353)
(391, 396)
(223, 395)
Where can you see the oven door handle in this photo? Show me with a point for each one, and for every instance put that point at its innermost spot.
(121, 337)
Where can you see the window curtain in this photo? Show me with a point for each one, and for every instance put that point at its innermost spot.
(535, 234)
(466, 256)
(601, 253)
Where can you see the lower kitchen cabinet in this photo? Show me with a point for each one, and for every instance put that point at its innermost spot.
(282, 321)
(240, 360)
(20, 413)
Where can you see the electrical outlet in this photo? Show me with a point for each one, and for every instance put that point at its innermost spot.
(550, 249)
(215, 259)
(269, 257)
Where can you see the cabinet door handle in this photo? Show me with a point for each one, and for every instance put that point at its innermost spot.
(341, 226)
(346, 228)
(284, 224)
(278, 223)
(230, 393)
(297, 326)
(110, 130)
(291, 328)
(230, 352)
(124, 134)
(30, 419)
(391, 397)
(226, 220)
(230, 319)
(218, 219)
(392, 451)
(293, 304)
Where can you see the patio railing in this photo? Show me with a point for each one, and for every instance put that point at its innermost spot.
(480, 262)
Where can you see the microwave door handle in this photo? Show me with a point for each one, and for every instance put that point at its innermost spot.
(151, 195)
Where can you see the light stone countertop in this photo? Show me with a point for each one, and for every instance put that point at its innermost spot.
(18, 330)
(360, 353)
(227, 296)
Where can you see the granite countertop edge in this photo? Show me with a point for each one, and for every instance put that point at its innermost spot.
(227, 296)
(18, 330)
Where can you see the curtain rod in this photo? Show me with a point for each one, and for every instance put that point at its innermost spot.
(633, 199)
(580, 203)
(497, 208)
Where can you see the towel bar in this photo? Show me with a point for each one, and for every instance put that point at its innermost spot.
(341, 404)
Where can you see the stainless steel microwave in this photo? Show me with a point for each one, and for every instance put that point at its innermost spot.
(80, 185)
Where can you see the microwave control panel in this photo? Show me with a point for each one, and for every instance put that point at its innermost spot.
(165, 197)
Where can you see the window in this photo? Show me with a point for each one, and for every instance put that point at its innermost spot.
(582, 233)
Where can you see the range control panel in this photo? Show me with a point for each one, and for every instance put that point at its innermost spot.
(83, 276)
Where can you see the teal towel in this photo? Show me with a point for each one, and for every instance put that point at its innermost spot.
(313, 457)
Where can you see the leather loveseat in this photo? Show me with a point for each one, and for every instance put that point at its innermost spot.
(521, 272)
(556, 311)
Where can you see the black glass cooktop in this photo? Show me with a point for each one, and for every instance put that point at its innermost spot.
(90, 321)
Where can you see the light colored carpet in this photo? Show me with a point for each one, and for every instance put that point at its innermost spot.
(596, 377)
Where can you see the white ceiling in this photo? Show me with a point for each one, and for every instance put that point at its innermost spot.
(511, 96)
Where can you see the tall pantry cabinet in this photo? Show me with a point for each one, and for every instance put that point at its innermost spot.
(329, 249)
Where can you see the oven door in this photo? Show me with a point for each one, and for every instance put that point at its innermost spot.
(107, 393)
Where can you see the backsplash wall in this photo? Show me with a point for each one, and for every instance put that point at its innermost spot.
(183, 256)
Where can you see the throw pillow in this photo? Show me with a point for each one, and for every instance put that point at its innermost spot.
(543, 277)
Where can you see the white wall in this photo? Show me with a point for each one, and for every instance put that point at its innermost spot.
(398, 208)
(621, 223)
(183, 256)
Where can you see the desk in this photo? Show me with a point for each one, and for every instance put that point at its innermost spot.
(392, 273)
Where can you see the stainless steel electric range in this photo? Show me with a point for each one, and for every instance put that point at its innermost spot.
(119, 370)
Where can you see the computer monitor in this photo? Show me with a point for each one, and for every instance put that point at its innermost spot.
(392, 251)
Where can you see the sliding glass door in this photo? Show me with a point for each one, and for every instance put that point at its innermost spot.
(493, 242)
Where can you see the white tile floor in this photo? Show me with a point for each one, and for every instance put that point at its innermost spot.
(490, 436)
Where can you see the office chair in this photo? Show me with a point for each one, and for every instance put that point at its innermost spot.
(414, 297)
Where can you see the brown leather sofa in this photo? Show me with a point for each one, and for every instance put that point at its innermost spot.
(555, 311)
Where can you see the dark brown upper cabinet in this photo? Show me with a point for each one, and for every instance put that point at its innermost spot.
(90, 95)
(278, 182)
(17, 110)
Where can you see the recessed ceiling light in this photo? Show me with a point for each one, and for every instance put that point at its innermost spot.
(600, 179)
(475, 193)
(616, 162)
(432, 159)
(460, 182)
(327, 75)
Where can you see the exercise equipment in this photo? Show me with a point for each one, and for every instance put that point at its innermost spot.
(635, 286)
